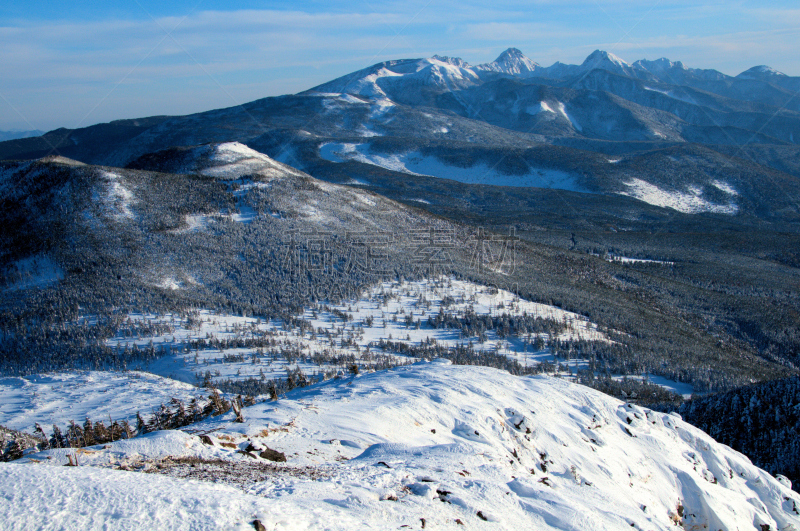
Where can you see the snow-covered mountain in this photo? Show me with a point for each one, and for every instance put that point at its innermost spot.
(511, 62)
(771, 76)
(405, 81)
(761, 72)
(425, 446)
(606, 61)
(227, 161)
(675, 73)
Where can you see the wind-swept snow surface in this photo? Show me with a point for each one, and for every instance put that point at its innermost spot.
(430, 444)
(58, 398)
(90, 498)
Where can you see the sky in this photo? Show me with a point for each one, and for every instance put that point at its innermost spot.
(85, 62)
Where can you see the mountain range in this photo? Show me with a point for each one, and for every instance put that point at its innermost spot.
(603, 158)
(687, 139)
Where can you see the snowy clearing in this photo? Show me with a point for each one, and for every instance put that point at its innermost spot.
(204, 345)
(114, 198)
(541, 107)
(689, 202)
(34, 272)
(397, 312)
(563, 110)
(628, 260)
(725, 187)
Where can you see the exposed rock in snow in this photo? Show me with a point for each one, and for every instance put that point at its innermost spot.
(431, 441)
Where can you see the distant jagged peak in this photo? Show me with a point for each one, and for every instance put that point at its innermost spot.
(599, 58)
(513, 62)
(659, 65)
(455, 61)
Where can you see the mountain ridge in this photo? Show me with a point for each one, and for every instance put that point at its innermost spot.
(450, 446)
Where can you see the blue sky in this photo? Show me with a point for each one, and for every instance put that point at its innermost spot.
(85, 62)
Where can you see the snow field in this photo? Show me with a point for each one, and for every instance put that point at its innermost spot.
(87, 498)
(430, 441)
(35, 271)
(414, 163)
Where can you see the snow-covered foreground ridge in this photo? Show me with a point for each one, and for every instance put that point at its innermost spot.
(431, 445)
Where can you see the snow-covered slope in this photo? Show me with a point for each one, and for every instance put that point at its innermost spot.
(689, 201)
(430, 445)
(58, 398)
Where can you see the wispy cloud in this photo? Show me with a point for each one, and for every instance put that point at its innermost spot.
(505, 32)
(730, 53)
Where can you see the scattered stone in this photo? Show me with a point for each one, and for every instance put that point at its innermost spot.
(273, 455)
